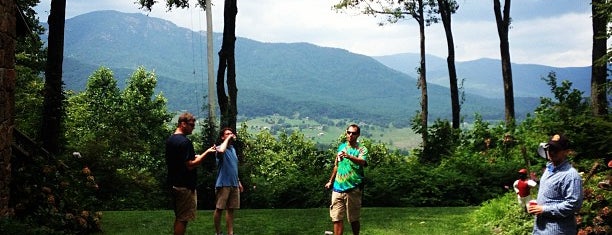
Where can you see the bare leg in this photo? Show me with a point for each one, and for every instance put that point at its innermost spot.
(179, 227)
(229, 221)
(338, 227)
(217, 220)
(355, 226)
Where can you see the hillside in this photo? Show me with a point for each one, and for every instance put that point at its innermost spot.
(484, 77)
(281, 78)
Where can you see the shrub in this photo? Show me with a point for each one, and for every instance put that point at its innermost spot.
(53, 196)
(501, 215)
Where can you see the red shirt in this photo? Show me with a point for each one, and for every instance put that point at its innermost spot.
(523, 187)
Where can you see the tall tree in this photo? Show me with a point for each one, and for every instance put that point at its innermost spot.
(227, 101)
(93, 119)
(211, 130)
(601, 18)
(396, 10)
(54, 97)
(446, 8)
(503, 25)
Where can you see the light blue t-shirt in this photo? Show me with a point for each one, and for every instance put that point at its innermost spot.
(227, 168)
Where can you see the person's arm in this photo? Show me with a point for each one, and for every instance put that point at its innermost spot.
(331, 178)
(223, 146)
(532, 183)
(515, 186)
(191, 164)
(330, 182)
(360, 159)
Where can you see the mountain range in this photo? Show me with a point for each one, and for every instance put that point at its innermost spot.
(484, 77)
(292, 78)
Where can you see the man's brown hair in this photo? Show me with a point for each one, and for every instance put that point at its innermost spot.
(186, 118)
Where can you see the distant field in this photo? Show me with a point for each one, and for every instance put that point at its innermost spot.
(325, 134)
(375, 221)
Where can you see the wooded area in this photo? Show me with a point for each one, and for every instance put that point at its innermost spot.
(67, 156)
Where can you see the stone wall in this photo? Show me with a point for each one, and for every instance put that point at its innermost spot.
(7, 98)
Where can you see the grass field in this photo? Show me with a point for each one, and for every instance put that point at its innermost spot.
(375, 221)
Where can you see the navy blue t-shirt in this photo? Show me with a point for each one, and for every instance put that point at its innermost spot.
(179, 150)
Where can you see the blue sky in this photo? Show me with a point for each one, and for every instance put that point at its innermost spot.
(548, 32)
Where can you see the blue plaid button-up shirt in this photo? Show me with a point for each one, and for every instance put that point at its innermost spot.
(560, 193)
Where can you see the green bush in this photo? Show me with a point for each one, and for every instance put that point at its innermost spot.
(501, 215)
(568, 113)
(595, 216)
(54, 196)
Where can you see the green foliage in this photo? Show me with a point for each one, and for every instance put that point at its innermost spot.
(595, 216)
(101, 119)
(53, 195)
(28, 100)
(288, 172)
(49, 194)
(442, 140)
(502, 215)
(569, 114)
(30, 59)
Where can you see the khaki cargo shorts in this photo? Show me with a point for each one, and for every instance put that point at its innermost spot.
(346, 203)
(185, 203)
(227, 197)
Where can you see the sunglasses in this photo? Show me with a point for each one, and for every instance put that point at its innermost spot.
(352, 133)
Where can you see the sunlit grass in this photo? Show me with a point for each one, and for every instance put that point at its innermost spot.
(383, 221)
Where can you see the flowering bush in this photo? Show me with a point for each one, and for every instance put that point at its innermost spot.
(50, 195)
(595, 217)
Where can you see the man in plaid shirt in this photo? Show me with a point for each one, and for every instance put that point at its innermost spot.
(560, 193)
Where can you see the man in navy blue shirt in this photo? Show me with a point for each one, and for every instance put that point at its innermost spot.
(181, 161)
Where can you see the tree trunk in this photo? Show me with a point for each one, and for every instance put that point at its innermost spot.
(503, 24)
(210, 135)
(446, 13)
(422, 75)
(227, 102)
(54, 98)
(7, 99)
(599, 100)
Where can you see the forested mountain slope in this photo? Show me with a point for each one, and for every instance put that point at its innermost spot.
(281, 78)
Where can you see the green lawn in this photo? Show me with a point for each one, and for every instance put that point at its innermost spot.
(420, 221)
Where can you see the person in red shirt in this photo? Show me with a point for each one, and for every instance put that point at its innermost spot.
(522, 187)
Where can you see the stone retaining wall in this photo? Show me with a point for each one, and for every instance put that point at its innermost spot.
(7, 98)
